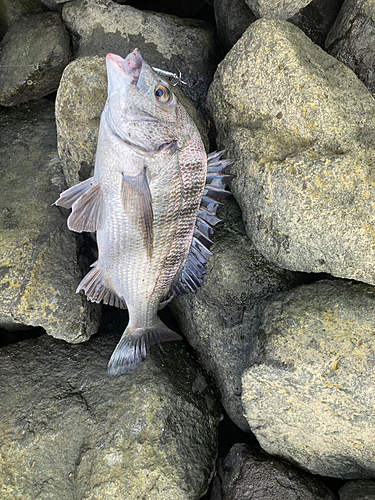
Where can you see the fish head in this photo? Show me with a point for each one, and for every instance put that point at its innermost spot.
(141, 107)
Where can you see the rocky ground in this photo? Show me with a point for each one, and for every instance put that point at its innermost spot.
(271, 393)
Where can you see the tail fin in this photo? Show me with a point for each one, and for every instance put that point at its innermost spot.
(133, 345)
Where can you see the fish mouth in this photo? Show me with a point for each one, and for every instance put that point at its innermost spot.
(131, 65)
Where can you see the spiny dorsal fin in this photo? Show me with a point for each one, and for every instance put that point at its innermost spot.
(96, 290)
(192, 274)
(87, 211)
(137, 203)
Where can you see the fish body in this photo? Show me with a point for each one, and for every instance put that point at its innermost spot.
(144, 201)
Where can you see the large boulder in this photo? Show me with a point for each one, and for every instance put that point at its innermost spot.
(310, 395)
(69, 431)
(282, 9)
(33, 55)
(303, 128)
(222, 319)
(351, 39)
(250, 474)
(166, 42)
(39, 272)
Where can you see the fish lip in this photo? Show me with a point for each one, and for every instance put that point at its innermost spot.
(131, 66)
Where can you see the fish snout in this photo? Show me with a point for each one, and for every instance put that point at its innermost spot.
(131, 65)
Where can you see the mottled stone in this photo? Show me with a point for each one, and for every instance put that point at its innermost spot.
(221, 320)
(233, 17)
(281, 9)
(352, 39)
(11, 10)
(309, 397)
(250, 474)
(79, 104)
(39, 271)
(69, 431)
(303, 129)
(167, 42)
(358, 490)
(33, 55)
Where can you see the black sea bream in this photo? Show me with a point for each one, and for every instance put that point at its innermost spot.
(149, 204)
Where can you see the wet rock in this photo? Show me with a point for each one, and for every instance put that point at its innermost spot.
(38, 265)
(302, 126)
(79, 104)
(233, 17)
(34, 53)
(12, 10)
(316, 19)
(280, 10)
(166, 42)
(358, 490)
(351, 39)
(247, 474)
(309, 397)
(221, 320)
(69, 431)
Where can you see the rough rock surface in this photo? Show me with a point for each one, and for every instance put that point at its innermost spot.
(303, 128)
(166, 42)
(79, 104)
(280, 9)
(69, 431)
(11, 10)
(233, 17)
(352, 39)
(33, 55)
(247, 474)
(38, 263)
(310, 396)
(222, 319)
(358, 490)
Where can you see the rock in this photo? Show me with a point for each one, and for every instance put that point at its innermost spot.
(302, 126)
(309, 397)
(38, 264)
(221, 320)
(316, 19)
(247, 474)
(11, 10)
(358, 490)
(79, 104)
(34, 53)
(69, 431)
(233, 17)
(351, 39)
(166, 42)
(281, 9)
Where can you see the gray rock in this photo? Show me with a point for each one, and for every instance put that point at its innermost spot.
(69, 431)
(317, 18)
(166, 42)
(282, 9)
(222, 319)
(11, 10)
(233, 17)
(358, 490)
(79, 104)
(38, 264)
(303, 128)
(247, 474)
(34, 53)
(352, 39)
(309, 397)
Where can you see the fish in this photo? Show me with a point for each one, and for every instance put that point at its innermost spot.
(152, 202)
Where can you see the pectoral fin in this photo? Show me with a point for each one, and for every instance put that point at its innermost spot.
(137, 202)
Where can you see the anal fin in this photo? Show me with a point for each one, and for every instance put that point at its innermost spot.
(97, 290)
(132, 347)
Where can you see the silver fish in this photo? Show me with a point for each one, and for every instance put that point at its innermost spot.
(149, 204)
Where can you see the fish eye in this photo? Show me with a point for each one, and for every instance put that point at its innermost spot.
(162, 93)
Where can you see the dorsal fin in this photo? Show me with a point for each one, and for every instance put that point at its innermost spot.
(192, 274)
